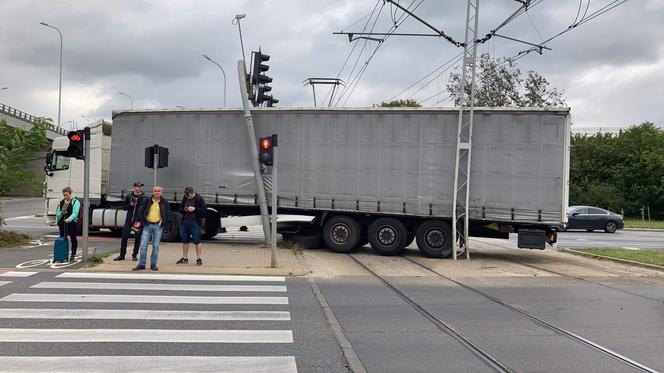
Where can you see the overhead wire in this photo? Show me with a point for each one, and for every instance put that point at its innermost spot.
(402, 18)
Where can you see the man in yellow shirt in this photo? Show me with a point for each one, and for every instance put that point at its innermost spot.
(152, 214)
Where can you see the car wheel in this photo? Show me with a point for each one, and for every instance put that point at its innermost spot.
(611, 227)
(341, 234)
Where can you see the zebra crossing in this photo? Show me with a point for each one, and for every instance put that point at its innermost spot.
(128, 322)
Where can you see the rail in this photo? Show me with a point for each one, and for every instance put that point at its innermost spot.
(18, 114)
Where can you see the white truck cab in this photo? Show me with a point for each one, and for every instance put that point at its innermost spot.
(63, 171)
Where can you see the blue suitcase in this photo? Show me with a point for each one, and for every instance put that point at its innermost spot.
(60, 249)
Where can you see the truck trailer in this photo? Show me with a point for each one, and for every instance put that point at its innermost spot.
(383, 176)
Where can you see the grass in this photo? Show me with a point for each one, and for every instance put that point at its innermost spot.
(642, 256)
(95, 259)
(13, 239)
(290, 245)
(638, 223)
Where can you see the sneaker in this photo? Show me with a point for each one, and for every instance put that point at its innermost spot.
(119, 258)
(154, 267)
(182, 261)
(134, 258)
(138, 268)
(199, 262)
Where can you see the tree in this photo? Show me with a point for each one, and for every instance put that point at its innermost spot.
(400, 103)
(498, 83)
(16, 146)
(619, 172)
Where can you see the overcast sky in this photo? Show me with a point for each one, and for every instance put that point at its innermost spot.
(611, 68)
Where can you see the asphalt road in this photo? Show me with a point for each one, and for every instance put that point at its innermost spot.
(228, 324)
(631, 239)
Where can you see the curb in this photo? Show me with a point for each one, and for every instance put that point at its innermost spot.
(644, 229)
(618, 260)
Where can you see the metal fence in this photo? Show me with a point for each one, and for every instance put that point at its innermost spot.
(13, 112)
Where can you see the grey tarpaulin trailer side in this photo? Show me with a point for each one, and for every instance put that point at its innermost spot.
(371, 163)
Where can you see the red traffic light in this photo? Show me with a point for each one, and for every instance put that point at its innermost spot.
(266, 143)
(75, 137)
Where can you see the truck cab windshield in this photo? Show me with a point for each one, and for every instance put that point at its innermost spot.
(60, 161)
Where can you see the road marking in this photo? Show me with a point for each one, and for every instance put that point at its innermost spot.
(149, 276)
(121, 298)
(164, 287)
(117, 364)
(107, 314)
(13, 335)
(5, 283)
(17, 274)
(22, 218)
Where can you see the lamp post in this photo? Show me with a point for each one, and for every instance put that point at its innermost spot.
(236, 21)
(60, 86)
(222, 72)
(130, 99)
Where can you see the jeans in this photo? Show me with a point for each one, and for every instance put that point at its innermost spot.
(190, 232)
(125, 237)
(72, 228)
(154, 230)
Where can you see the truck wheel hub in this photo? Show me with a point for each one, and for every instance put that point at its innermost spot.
(340, 233)
(435, 238)
(386, 236)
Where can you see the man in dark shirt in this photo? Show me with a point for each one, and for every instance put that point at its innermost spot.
(131, 204)
(193, 214)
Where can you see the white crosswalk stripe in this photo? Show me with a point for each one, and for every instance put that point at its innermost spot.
(175, 277)
(165, 287)
(16, 274)
(228, 311)
(163, 364)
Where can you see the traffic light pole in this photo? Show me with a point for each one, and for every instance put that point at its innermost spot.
(273, 240)
(253, 149)
(86, 195)
(156, 166)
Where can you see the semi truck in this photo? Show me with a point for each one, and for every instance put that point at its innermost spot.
(383, 176)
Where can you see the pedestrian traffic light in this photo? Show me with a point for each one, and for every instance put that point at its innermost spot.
(257, 76)
(76, 148)
(162, 156)
(265, 154)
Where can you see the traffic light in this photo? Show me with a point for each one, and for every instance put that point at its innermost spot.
(261, 96)
(76, 147)
(257, 76)
(265, 151)
(271, 101)
(162, 156)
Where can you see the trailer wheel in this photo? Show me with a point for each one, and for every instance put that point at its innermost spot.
(171, 228)
(341, 234)
(434, 239)
(410, 238)
(212, 224)
(387, 236)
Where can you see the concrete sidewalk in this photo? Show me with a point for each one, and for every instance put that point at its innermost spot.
(218, 258)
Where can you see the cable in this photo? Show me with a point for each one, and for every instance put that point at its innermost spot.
(357, 78)
(424, 77)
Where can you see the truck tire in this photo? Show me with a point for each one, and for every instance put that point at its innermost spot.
(434, 239)
(341, 234)
(212, 224)
(171, 228)
(387, 236)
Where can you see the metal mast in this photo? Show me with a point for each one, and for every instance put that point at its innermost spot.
(465, 133)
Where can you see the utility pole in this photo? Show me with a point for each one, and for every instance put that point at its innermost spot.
(86, 194)
(461, 193)
(253, 149)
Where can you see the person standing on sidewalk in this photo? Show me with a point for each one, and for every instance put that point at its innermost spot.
(193, 223)
(152, 214)
(66, 214)
(131, 204)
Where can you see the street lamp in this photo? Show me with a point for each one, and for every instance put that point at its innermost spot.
(130, 99)
(222, 72)
(60, 86)
(236, 21)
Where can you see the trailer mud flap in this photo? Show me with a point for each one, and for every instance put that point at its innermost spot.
(532, 239)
